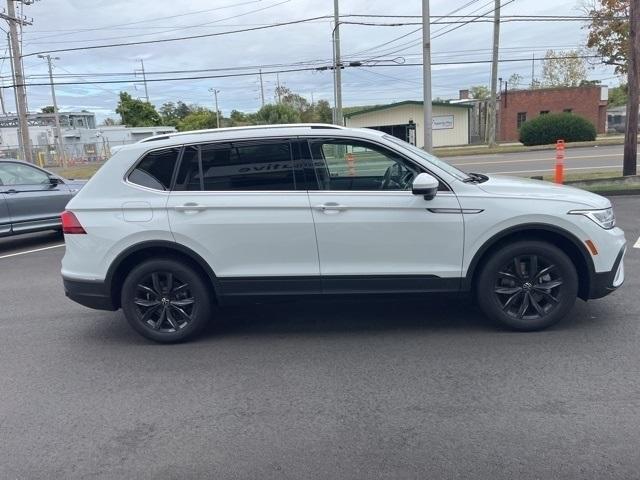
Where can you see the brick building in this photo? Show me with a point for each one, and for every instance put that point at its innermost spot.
(518, 106)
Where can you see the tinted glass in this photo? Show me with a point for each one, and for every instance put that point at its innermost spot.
(155, 169)
(255, 166)
(189, 173)
(16, 174)
(357, 165)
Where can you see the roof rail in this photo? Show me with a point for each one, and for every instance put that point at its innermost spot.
(165, 136)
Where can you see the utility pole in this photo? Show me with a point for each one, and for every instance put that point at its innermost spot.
(60, 142)
(336, 63)
(533, 70)
(215, 94)
(4, 110)
(494, 75)
(278, 87)
(426, 77)
(261, 88)
(144, 80)
(15, 97)
(630, 158)
(21, 97)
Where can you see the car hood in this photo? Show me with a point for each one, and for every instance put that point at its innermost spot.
(518, 187)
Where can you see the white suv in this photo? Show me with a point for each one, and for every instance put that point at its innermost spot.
(173, 225)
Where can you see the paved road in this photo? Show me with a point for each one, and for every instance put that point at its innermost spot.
(542, 162)
(393, 389)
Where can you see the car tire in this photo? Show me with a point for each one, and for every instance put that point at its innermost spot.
(527, 285)
(166, 300)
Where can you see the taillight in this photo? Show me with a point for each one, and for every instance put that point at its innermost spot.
(70, 223)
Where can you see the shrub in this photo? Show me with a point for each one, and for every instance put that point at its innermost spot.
(548, 128)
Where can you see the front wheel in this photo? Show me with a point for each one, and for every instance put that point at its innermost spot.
(528, 285)
(165, 300)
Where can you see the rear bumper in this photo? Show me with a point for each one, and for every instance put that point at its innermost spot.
(604, 283)
(91, 294)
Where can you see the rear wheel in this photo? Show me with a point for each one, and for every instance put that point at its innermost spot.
(166, 301)
(528, 285)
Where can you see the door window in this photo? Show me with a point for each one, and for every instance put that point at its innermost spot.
(155, 169)
(357, 165)
(237, 167)
(16, 174)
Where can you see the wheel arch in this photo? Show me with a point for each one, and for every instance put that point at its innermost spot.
(140, 252)
(566, 241)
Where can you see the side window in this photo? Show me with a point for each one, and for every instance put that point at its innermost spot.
(15, 174)
(356, 165)
(239, 167)
(155, 169)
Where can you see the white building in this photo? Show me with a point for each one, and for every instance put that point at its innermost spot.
(404, 120)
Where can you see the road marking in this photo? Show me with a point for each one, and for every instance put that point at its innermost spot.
(30, 251)
(637, 245)
(549, 159)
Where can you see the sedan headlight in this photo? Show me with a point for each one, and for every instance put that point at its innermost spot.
(603, 217)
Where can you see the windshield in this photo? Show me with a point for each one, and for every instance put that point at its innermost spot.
(450, 169)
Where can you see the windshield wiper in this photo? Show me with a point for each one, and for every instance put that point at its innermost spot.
(475, 178)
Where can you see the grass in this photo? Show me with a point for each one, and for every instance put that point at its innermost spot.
(78, 172)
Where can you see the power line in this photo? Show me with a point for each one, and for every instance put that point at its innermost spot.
(289, 70)
(173, 29)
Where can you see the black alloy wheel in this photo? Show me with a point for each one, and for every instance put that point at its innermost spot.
(527, 285)
(166, 300)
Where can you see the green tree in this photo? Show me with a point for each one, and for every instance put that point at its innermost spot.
(48, 109)
(563, 69)
(323, 113)
(618, 95)
(278, 113)
(171, 113)
(609, 32)
(239, 119)
(137, 113)
(479, 92)
(199, 119)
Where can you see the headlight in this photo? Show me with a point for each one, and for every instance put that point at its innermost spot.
(605, 217)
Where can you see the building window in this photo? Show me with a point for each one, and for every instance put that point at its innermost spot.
(522, 117)
(544, 112)
(568, 110)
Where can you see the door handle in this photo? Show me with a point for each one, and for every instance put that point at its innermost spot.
(12, 190)
(190, 207)
(331, 207)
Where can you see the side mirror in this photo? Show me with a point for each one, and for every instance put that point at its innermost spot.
(425, 184)
(54, 181)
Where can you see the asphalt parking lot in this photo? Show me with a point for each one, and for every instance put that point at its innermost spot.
(384, 389)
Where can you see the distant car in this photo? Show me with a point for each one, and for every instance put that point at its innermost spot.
(31, 198)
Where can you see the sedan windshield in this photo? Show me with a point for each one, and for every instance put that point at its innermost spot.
(450, 169)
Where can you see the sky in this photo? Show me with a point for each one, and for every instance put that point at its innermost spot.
(78, 24)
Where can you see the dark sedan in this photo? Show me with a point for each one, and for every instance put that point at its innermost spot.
(31, 198)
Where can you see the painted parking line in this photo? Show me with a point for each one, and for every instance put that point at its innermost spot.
(31, 251)
(637, 245)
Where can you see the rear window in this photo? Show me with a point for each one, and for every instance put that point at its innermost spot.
(155, 170)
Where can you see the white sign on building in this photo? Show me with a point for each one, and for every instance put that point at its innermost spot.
(442, 122)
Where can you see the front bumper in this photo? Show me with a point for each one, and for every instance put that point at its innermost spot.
(91, 294)
(604, 283)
